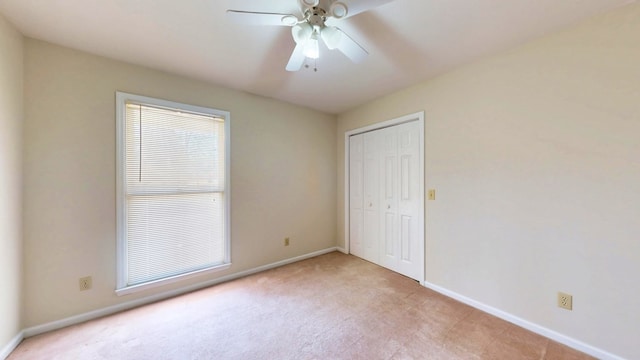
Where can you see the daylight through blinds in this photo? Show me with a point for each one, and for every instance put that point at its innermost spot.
(174, 187)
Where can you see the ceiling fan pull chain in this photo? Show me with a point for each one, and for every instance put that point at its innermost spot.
(315, 64)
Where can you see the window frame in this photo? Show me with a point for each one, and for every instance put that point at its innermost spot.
(121, 214)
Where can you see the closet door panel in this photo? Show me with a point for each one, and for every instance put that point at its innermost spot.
(410, 203)
(389, 198)
(371, 186)
(356, 197)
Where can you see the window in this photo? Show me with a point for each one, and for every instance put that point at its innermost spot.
(172, 191)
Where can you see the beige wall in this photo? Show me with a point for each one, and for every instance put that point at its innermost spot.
(535, 156)
(283, 172)
(11, 119)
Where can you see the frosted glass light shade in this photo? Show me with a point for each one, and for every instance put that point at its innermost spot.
(311, 48)
(301, 32)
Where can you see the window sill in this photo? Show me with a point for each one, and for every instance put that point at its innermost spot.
(156, 283)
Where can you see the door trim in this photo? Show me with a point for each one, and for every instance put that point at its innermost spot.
(419, 116)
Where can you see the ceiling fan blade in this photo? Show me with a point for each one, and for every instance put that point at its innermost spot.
(297, 58)
(335, 38)
(261, 18)
(357, 6)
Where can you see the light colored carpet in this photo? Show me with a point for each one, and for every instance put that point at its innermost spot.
(333, 306)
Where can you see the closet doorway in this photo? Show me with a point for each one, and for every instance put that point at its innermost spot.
(384, 193)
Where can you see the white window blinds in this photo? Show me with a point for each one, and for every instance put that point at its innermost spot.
(174, 193)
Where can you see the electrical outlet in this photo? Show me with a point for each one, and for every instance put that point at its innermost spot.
(85, 283)
(432, 194)
(286, 241)
(565, 301)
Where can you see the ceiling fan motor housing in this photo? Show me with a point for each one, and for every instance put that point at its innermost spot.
(316, 17)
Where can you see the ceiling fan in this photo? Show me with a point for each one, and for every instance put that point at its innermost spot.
(314, 25)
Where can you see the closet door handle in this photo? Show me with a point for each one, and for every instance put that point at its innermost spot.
(388, 206)
(370, 204)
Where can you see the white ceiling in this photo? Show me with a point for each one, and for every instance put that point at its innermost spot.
(409, 41)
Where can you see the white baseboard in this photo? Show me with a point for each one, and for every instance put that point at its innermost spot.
(563, 339)
(12, 345)
(342, 250)
(77, 319)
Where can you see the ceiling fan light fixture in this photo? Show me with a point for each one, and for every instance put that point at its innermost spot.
(338, 10)
(301, 32)
(312, 48)
(310, 3)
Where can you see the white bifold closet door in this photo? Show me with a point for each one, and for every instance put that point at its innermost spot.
(386, 205)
